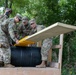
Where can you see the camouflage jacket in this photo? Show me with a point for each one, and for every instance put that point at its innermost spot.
(23, 30)
(3, 17)
(38, 28)
(7, 28)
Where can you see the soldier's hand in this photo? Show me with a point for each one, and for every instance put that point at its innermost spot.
(17, 41)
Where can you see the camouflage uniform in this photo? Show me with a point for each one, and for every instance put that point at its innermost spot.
(32, 31)
(3, 17)
(24, 28)
(6, 29)
(46, 44)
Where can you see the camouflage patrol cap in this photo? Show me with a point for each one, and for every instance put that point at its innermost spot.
(24, 19)
(19, 17)
(32, 21)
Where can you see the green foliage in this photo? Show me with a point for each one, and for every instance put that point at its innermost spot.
(68, 70)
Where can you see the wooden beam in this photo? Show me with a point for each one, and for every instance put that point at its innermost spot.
(52, 30)
(56, 46)
(39, 44)
(29, 71)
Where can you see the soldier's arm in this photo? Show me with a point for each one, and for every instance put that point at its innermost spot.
(3, 17)
(26, 32)
(33, 31)
(11, 31)
(19, 29)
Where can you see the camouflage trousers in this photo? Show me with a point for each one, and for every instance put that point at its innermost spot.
(5, 54)
(47, 44)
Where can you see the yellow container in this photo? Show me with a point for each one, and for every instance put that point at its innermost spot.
(24, 42)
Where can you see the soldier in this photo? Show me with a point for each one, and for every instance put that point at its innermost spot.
(46, 45)
(8, 11)
(6, 29)
(24, 28)
(33, 26)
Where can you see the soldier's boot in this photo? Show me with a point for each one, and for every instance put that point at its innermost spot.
(1, 63)
(9, 65)
(42, 65)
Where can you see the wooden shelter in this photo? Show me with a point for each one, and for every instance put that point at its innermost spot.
(55, 68)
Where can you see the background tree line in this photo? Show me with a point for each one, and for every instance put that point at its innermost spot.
(47, 12)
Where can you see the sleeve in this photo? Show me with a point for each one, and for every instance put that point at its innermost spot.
(5, 22)
(27, 30)
(19, 29)
(33, 31)
(11, 31)
(40, 27)
(3, 17)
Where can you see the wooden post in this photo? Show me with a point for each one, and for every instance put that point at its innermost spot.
(60, 51)
(49, 57)
(39, 44)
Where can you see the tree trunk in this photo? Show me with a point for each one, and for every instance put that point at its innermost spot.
(6, 3)
(68, 53)
(11, 1)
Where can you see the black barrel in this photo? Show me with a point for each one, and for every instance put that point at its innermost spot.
(25, 56)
